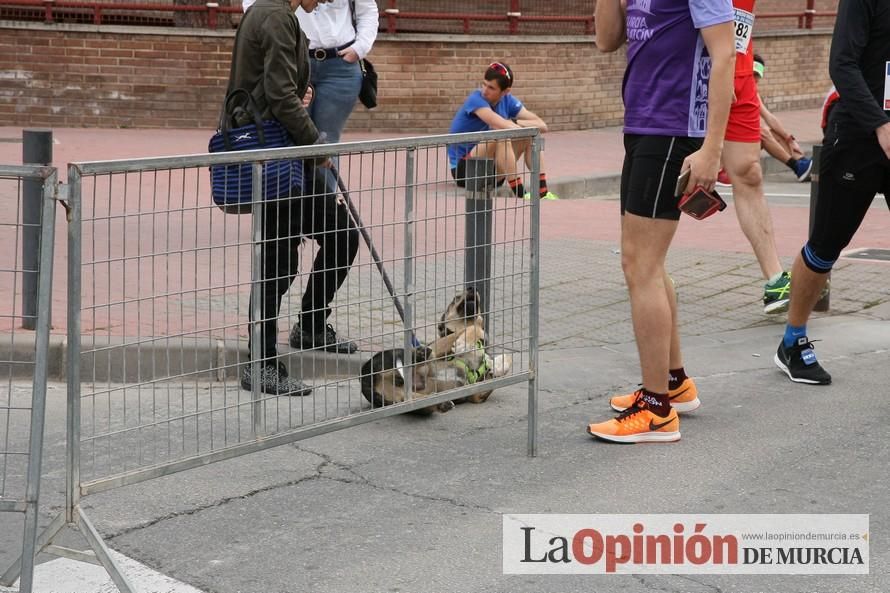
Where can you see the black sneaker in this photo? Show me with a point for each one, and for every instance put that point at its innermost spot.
(274, 381)
(800, 364)
(326, 340)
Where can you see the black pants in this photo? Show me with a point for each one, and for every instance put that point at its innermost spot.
(285, 223)
(852, 171)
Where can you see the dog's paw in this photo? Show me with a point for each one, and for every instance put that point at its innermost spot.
(445, 406)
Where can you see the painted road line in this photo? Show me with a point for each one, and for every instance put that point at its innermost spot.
(69, 576)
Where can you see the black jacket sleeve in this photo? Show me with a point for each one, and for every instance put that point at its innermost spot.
(857, 73)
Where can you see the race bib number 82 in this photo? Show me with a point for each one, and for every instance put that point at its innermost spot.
(744, 27)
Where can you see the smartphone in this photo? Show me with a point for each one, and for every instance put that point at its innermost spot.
(701, 204)
(682, 181)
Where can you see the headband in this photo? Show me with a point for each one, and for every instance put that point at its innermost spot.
(758, 69)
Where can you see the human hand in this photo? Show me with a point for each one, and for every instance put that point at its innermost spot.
(341, 201)
(884, 138)
(349, 55)
(307, 98)
(703, 164)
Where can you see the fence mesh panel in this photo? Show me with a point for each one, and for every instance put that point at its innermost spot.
(17, 346)
(166, 293)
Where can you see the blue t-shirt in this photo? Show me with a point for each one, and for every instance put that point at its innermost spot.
(466, 120)
(665, 87)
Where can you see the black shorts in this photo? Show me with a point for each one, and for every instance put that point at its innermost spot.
(649, 176)
(459, 174)
(851, 172)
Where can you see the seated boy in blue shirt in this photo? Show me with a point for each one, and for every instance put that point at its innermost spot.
(493, 107)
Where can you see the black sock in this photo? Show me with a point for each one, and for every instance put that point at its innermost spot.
(792, 163)
(659, 403)
(676, 378)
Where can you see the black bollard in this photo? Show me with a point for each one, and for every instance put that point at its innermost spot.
(480, 184)
(37, 149)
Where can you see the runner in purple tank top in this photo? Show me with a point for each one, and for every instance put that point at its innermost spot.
(677, 92)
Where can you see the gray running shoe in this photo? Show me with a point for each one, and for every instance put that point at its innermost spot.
(274, 381)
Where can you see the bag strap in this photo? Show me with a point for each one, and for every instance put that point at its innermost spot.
(361, 61)
(352, 12)
(253, 100)
(233, 109)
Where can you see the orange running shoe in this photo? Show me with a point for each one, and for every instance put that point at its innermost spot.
(683, 399)
(638, 424)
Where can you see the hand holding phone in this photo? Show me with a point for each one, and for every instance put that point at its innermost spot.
(682, 182)
(701, 203)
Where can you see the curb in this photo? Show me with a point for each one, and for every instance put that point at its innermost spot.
(137, 360)
(581, 186)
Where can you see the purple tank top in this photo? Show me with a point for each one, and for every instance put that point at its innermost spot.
(665, 86)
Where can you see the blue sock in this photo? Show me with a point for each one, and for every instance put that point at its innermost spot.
(792, 333)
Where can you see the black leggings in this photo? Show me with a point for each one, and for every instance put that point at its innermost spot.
(285, 223)
(851, 172)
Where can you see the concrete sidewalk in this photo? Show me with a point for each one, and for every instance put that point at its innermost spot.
(415, 505)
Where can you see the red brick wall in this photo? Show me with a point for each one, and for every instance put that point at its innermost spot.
(78, 77)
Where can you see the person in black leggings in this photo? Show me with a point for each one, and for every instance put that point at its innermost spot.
(854, 167)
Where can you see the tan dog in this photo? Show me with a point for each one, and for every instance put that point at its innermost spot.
(464, 308)
(455, 359)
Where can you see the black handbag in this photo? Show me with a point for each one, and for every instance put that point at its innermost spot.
(232, 185)
(368, 93)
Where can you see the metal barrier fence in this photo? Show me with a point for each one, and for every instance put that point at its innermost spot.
(164, 371)
(24, 355)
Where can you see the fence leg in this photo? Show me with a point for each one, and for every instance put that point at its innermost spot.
(824, 303)
(534, 298)
(103, 554)
(43, 540)
(37, 149)
(257, 288)
(410, 287)
(480, 183)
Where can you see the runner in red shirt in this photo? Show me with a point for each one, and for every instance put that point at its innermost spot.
(776, 140)
(741, 159)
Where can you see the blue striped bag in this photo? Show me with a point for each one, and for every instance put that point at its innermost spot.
(232, 185)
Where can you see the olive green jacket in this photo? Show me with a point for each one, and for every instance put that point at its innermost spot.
(271, 50)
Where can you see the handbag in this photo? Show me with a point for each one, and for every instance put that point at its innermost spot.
(368, 92)
(232, 185)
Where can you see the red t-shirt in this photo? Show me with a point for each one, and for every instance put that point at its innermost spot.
(744, 30)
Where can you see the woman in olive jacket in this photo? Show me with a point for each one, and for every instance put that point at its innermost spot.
(270, 59)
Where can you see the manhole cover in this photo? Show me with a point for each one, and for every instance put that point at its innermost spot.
(872, 254)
